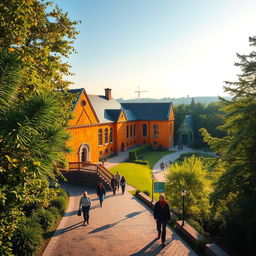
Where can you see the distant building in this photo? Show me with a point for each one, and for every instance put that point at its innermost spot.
(186, 131)
(102, 127)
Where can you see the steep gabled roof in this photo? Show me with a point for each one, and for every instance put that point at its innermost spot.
(78, 93)
(104, 108)
(148, 111)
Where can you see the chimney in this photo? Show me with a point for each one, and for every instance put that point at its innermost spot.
(108, 93)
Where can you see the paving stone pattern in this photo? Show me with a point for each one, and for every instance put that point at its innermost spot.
(123, 226)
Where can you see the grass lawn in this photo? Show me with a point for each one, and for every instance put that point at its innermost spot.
(153, 156)
(137, 175)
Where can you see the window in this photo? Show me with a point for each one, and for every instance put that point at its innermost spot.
(111, 149)
(83, 103)
(111, 135)
(100, 137)
(130, 131)
(134, 130)
(144, 130)
(106, 150)
(100, 152)
(155, 142)
(127, 132)
(106, 135)
(155, 127)
(127, 144)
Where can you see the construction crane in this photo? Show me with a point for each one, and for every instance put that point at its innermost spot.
(139, 92)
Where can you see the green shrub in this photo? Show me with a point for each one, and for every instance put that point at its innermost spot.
(44, 217)
(27, 238)
(137, 152)
(59, 203)
(62, 193)
(144, 162)
(55, 212)
(196, 225)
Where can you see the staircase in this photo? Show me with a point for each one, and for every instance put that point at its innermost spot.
(89, 174)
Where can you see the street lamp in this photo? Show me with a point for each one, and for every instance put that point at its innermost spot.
(153, 178)
(183, 193)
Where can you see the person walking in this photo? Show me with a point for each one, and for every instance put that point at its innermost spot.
(101, 192)
(162, 217)
(85, 203)
(113, 185)
(123, 184)
(118, 178)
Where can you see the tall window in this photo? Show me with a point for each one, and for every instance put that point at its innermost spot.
(134, 130)
(106, 135)
(155, 127)
(127, 131)
(111, 135)
(144, 130)
(130, 130)
(100, 137)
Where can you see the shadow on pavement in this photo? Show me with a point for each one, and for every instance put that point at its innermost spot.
(64, 230)
(128, 216)
(150, 249)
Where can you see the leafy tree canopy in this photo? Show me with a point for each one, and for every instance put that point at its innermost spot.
(41, 35)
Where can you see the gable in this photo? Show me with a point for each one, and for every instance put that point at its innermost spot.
(122, 117)
(171, 114)
(83, 112)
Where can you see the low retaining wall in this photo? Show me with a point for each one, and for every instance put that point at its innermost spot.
(187, 232)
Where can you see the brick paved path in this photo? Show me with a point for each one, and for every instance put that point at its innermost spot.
(122, 227)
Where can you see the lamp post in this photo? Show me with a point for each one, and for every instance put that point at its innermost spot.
(153, 178)
(183, 193)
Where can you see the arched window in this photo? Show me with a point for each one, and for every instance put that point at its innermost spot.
(130, 131)
(106, 135)
(111, 135)
(127, 131)
(155, 127)
(134, 130)
(100, 137)
(144, 130)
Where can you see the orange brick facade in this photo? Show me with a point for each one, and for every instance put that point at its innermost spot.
(92, 139)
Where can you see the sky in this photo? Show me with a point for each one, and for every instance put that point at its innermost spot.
(169, 48)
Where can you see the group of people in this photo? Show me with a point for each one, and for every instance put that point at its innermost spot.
(163, 165)
(161, 211)
(85, 202)
(118, 181)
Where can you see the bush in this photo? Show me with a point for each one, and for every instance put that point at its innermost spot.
(27, 238)
(54, 211)
(143, 162)
(62, 193)
(196, 225)
(59, 203)
(137, 152)
(44, 217)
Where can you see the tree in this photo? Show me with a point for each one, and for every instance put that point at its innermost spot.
(32, 142)
(237, 186)
(191, 176)
(41, 35)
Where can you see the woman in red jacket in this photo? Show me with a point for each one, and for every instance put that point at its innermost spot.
(162, 217)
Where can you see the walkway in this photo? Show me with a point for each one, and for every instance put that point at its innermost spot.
(160, 175)
(122, 227)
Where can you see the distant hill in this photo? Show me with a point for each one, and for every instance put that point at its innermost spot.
(177, 101)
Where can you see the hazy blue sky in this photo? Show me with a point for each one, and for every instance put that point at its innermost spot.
(168, 47)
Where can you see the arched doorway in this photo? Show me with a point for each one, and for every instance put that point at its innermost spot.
(84, 153)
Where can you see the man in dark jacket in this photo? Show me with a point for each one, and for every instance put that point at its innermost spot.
(162, 217)
(113, 185)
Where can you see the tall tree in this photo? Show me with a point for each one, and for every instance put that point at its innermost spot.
(41, 35)
(237, 186)
(32, 144)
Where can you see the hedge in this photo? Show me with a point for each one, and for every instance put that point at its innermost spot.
(137, 152)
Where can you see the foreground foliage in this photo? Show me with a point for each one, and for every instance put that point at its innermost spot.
(235, 195)
(33, 143)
